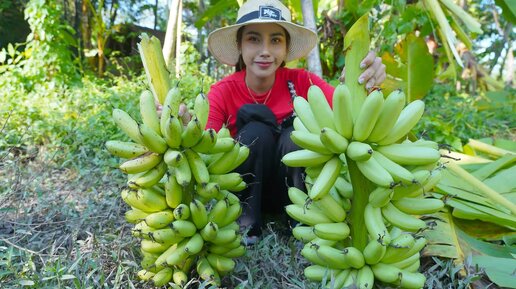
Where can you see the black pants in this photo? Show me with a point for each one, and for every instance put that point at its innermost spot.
(267, 177)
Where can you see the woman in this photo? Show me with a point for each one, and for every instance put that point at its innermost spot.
(255, 102)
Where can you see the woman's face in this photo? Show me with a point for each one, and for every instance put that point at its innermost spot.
(264, 48)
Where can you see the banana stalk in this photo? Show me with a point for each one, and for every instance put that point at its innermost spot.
(155, 66)
(487, 191)
(356, 45)
(361, 189)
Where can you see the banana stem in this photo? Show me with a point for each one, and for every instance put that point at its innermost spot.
(361, 189)
(487, 191)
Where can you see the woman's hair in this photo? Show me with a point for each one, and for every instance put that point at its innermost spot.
(240, 65)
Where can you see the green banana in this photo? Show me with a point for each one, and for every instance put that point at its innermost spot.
(220, 263)
(391, 109)
(232, 214)
(326, 179)
(365, 278)
(317, 273)
(207, 272)
(173, 192)
(172, 131)
(374, 251)
(198, 214)
(320, 107)
(369, 113)
(398, 172)
(342, 111)
(374, 223)
(329, 207)
(180, 277)
(402, 220)
(332, 231)
(134, 215)
(420, 177)
(160, 219)
(359, 151)
(222, 145)
(226, 181)
(126, 150)
(152, 140)
(181, 212)
(150, 177)
(223, 164)
(148, 111)
(141, 164)
(377, 174)
(150, 246)
(297, 196)
(298, 125)
(183, 172)
(127, 124)
(309, 141)
(145, 275)
(208, 190)
(333, 257)
(407, 261)
(418, 206)
(308, 216)
(194, 245)
(224, 236)
(386, 273)
(407, 119)
(408, 154)
(380, 196)
(398, 248)
(192, 133)
(145, 199)
(209, 231)
(412, 280)
(344, 187)
(197, 167)
(202, 109)
(235, 252)
(305, 114)
(305, 158)
(166, 236)
(333, 141)
(162, 277)
(178, 256)
(173, 157)
(218, 211)
(184, 228)
(304, 234)
(207, 142)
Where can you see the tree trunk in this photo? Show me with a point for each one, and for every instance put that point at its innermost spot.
(313, 59)
(178, 37)
(86, 31)
(170, 35)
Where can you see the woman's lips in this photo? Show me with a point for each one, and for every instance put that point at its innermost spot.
(263, 64)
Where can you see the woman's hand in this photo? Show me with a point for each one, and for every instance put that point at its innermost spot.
(374, 73)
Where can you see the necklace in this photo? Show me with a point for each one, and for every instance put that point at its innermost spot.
(254, 98)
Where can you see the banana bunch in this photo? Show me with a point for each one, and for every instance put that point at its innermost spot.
(401, 171)
(180, 188)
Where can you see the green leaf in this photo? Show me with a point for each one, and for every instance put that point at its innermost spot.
(487, 170)
(483, 230)
(499, 270)
(420, 68)
(504, 181)
(480, 247)
(218, 9)
(508, 9)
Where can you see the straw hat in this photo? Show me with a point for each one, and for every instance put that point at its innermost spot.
(222, 42)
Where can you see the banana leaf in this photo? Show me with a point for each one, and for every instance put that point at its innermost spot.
(499, 270)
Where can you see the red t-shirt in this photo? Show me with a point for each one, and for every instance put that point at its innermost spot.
(230, 93)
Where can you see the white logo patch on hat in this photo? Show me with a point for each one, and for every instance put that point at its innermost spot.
(270, 12)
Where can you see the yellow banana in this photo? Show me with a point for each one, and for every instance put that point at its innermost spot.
(374, 251)
(201, 109)
(172, 130)
(320, 107)
(308, 216)
(220, 263)
(197, 167)
(304, 234)
(141, 164)
(391, 109)
(184, 228)
(207, 141)
(126, 150)
(150, 177)
(380, 196)
(402, 220)
(329, 207)
(342, 111)
(305, 158)
(309, 141)
(148, 111)
(162, 277)
(359, 151)
(192, 133)
(398, 172)
(418, 206)
(305, 114)
(333, 141)
(209, 231)
(134, 215)
(369, 112)
(159, 220)
(407, 119)
(374, 223)
(145, 199)
(127, 124)
(365, 278)
(332, 231)
(377, 174)
(180, 277)
(194, 245)
(326, 179)
(152, 140)
(408, 154)
(173, 192)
